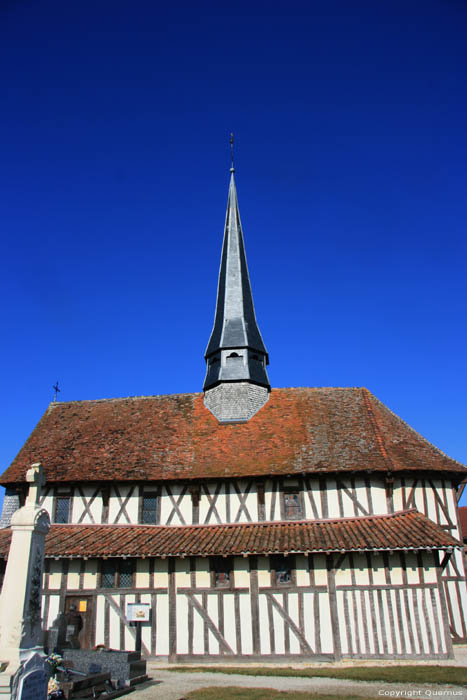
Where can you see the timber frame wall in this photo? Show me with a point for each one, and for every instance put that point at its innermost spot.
(358, 605)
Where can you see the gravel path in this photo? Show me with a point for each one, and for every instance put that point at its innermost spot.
(170, 685)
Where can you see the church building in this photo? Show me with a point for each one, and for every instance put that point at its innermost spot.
(247, 522)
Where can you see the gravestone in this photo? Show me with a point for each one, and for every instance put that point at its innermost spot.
(21, 647)
(33, 680)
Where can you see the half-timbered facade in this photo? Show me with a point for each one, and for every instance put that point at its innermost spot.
(256, 523)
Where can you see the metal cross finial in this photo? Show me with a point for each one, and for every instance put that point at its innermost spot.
(232, 169)
(56, 389)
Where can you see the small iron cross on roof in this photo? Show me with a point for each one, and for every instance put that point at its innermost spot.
(56, 389)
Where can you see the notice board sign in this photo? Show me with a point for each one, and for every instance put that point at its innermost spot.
(138, 612)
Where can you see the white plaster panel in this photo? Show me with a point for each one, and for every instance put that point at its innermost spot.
(347, 503)
(360, 625)
(241, 572)
(203, 576)
(100, 613)
(302, 570)
(407, 646)
(161, 573)
(54, 606)
(314, 494)
(167, 506)
(439, 617)
(48, 505)
(377, 622)
(419, 595)
(352, 620)
(370, 621)
(362, 498)
(90, 573)
(395, 570)
(186, 508)
(397, 495)
(73, 574)
(278, 623)
(344, 573)
(321, 573)
(456, 613)
(198, 628)
(378, 569)
(146, 630)
(386, 621)
(162, 624)
(182, 627)
(114, 625)
(342, 623)
(182, 573)
(452, 509)
(128, 639)
(131, 507)
(229, 621)
(268, 500)
(378, 497)
(246, 630)
(430, 498)
(412, 615)
(55, 573)
(325, 627)
(333, 501)
(432, 622)
(213, 612)
(310, 623)
(393, 594)
(264, 573)
(142, 573)
(412, 568)
(265, 645)
(293, 612)
(362, 577)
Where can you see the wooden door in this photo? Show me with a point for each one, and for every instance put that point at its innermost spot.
(80, 621)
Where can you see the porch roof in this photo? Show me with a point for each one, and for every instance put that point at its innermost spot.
(404, 530)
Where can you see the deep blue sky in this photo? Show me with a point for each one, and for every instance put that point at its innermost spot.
(351, 150)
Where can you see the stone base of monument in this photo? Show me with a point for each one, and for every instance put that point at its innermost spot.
(95, 685)
(126, 668)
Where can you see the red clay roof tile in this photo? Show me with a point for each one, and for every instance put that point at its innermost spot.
(176, 437)
(406, 530)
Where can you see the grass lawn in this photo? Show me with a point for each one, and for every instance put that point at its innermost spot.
(454, 675)
(231, 693)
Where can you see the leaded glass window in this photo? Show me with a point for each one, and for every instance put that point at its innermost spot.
(62, 509)
(108, 573)
(149, 511)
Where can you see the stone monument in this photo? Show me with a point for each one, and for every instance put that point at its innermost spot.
(21, 649)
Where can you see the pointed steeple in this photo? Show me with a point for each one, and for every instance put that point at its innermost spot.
(236, 352)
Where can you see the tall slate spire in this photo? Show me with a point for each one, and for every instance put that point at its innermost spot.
(236, 384)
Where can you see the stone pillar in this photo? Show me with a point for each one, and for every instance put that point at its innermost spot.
(20, 602)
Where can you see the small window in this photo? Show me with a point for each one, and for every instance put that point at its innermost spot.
(117, 573)
(233, 354)
(149, 511)
(281, 568)
(62, 509)
(221, 568)
(292, 505)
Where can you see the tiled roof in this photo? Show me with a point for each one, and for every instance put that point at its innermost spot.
(176, 437)
(405, 530)
(463, 519)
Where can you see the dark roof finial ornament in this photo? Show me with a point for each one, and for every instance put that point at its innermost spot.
(231, 140)
(56, 390)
